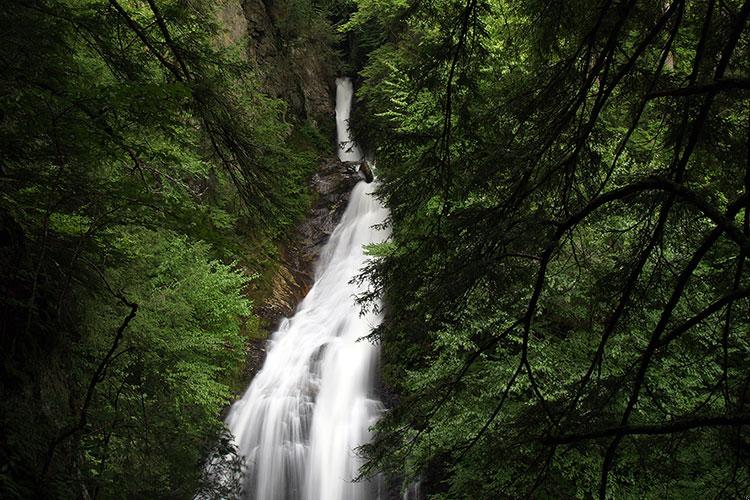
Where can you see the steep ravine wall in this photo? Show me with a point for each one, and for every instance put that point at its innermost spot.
(295, 60)
(43, 395)
(292, 52)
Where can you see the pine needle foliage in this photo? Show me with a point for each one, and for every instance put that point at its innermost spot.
(566, 289)
(138, 162)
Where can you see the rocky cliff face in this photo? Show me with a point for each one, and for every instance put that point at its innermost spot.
(291, 48)
(331, 186)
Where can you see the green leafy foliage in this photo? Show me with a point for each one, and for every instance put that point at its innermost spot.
(143, 178)
(568, 190)
(159, 401)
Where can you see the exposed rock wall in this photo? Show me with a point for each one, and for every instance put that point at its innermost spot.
(331, 186)
(295, 60)
(232, 19)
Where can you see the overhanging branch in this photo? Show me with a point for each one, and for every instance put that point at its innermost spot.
(724, 85)
(673, 427)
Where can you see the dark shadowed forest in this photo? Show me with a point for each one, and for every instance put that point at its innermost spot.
(563, 299)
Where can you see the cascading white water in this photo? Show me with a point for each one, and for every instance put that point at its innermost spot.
(312, 403)
(348, 149)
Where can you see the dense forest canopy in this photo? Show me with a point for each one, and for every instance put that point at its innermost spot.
(145, 178)
(566, 289)
(567, 297)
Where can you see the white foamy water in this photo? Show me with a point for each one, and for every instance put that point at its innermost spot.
(348, 149)
(313, 401)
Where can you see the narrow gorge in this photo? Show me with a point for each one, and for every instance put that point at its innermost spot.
(311, 405)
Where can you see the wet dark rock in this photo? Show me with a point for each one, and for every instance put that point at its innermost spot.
(256, 355)
(331, 187)
(366, 171)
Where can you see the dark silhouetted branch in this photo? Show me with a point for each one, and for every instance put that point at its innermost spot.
(676, 426)
(727, 84)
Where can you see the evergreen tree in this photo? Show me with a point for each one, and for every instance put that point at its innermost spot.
(138, 162)
(566, 289)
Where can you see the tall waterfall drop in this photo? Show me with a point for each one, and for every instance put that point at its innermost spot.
(312, 403)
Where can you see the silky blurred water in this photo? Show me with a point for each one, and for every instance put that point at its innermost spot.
(313, 401)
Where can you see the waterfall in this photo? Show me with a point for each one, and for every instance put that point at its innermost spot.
(312, 403)
(348, 149)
